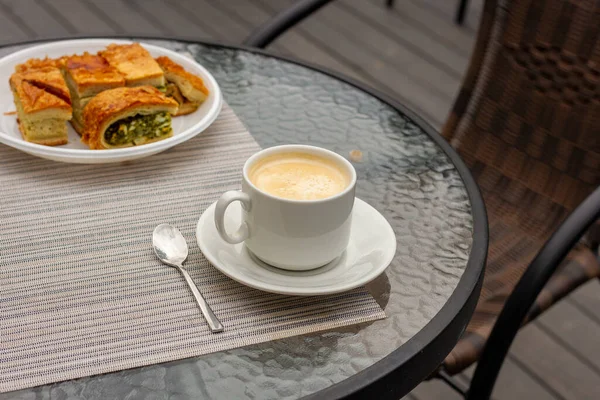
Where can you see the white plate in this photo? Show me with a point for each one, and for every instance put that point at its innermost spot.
(371, 249)
(184, 127)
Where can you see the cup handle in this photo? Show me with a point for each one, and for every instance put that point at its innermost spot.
(227, 198)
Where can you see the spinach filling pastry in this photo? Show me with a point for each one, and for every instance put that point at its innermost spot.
(138, 129)
(128, 116)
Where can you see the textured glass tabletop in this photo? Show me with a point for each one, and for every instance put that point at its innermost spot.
(402, 172)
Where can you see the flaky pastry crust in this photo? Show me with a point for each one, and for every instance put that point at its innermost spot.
(132, 61)
(38, 91)
(171, 67)
(89, 70)
(37, 63)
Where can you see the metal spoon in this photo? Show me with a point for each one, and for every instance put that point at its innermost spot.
(171, 248)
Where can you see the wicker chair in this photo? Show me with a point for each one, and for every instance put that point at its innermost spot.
(527, 123)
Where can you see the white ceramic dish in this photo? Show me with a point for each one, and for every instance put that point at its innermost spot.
(371, 249)
(184, 127)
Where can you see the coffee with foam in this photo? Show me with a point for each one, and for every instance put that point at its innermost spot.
(299, 176)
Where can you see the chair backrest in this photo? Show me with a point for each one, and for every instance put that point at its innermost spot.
(527, 119)
(527, 123)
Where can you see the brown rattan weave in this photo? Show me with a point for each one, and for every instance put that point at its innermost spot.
(527, 123)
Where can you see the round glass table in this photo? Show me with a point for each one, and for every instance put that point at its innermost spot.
(406, 171)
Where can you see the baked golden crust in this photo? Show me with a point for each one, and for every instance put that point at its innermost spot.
(172, 68)
(90, 74)
(114, 104)
(49, 79)
(36, 91)
(135, 64)
(43, 74)
(37, 63)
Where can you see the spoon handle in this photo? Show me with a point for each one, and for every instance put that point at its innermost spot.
(213, 322)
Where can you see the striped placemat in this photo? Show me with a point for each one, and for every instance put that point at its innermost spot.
(81, 291)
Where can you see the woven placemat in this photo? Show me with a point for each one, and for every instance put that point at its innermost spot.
(81, 291)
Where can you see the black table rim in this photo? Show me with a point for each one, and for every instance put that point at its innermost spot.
(404, 368)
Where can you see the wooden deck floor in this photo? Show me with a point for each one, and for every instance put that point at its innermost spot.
(416, 54)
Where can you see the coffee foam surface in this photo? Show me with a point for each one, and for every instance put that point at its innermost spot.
(298, 176)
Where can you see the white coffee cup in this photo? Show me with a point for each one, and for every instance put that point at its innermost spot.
(291, 234)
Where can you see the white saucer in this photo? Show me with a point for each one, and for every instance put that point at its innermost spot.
(371, 249)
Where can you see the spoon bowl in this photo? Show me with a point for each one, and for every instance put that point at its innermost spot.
(169, 245)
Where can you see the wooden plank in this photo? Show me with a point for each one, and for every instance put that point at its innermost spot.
(57, 16)
(291, 43)
(431, 107)
(447, 9)
(441, 29)
(104, 15)
(515, 382)
(398, 28)
(35, 18)
(437, 80)
(561, 371)
(307, 48)
(10, 31)
(75, 15)
(575, 332)
(587, 299)
(221, 26)
(250, 16)
(125, 18)
(169, 19)
(435, 389)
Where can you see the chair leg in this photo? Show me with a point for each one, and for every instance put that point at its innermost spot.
(460, 12)
(390, 3)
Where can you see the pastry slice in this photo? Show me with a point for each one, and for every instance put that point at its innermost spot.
(187, 89)
(43, 105)
(126, 117)
(87, 75)
(135, 64)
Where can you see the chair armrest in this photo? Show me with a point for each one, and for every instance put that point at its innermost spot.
(269, 31)
(526, 291)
